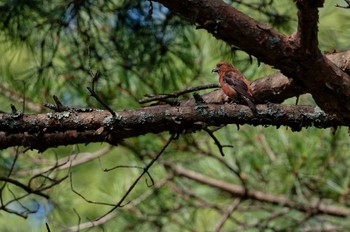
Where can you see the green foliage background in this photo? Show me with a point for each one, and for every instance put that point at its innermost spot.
(49, 49)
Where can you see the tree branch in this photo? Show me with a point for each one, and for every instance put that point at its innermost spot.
(162, 97)
(26, 188)
(239, 191)
(307, 25)
(63, 128)
(67, 162)
(230, 209)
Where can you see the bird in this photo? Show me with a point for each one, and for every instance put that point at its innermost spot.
(234, 84)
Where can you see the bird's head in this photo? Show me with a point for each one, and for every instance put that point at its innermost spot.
(222, 67)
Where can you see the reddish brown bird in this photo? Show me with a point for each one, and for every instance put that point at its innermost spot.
(234, 84)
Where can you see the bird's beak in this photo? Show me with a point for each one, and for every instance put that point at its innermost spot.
(216, 69)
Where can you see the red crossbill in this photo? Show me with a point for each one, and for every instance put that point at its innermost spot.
(234, 84)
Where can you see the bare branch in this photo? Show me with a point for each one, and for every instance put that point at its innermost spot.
(58, 107)
(176, 94)
(95, 77)
(216, 141)
(131, 166)
(68, 162)
(231, 208)
(264, 221)
(83, 197)
(24, 187)
(239, 191)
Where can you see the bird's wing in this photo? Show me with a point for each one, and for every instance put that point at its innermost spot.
(235, 80)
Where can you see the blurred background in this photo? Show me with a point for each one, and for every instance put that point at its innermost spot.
(141, 48)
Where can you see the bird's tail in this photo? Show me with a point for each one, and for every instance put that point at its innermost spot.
(251, 104)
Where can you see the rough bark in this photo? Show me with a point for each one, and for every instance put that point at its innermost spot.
(53, 129)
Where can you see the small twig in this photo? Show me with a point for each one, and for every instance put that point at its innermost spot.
(15, 113)
(58, 107)
(50, 106)
(47, 227)
(121, 166)
(198, 98)
(79, 219)
(93, 93)
(129, 166)
(150, 10)
(23, 186)
(83, 197)
(147, 167)
(11, 168)
(95, 76)
(217, 142)
(21, 211)
(24, 210)
(231, 208)
(271, 217)
(9, 174)
(176, 94)
(345, 7)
